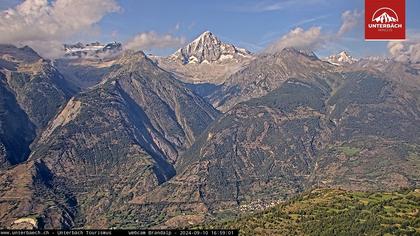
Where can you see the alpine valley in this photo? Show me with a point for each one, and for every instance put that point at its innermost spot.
(209, 136)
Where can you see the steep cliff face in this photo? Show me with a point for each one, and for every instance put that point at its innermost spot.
(40, 90)
(330, 131)
(33, 91)
(120, 138)
(16, 130)
(263, 149)
(39, 87)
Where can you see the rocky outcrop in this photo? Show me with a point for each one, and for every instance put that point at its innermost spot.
(32, 93)
(119, 140)
(205, 60)
(337, 130)
(16, 130)
(207, 48)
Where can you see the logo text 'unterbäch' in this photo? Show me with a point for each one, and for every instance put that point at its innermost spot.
(384, 20)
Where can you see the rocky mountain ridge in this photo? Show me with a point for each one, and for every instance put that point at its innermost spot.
(266, 73)
(205, 60)
(33, 90)
(122, 135)
(207, 48)
(94, 50)
(137, 148)
(341, 58)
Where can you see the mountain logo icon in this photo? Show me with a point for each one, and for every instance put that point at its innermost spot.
(385, 15)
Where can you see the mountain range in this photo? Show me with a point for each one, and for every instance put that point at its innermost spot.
(208, 133)
(205, 60)
(91, 50)
(341, 58)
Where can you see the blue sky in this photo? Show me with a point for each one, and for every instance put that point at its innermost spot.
(250, 24)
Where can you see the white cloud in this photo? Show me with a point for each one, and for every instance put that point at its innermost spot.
(350, 19)
(152, 40)
(314, 38)
(408, 51)
(300, 39)
(38, 23)
(47, 49)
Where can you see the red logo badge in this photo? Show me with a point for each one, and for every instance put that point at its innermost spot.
(384, 19)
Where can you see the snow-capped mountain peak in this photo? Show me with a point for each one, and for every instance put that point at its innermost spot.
(91, 50)
(341, 58)
(207, 48)
(206, 38)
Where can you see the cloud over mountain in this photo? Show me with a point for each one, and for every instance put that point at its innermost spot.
(153, 40)
(314, 37)
(42, 24)
(405, 51)
(300, 39)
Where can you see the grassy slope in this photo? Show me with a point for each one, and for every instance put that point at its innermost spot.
(335, 212)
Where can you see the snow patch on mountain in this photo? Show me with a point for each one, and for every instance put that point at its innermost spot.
(341, 58)
(207, 47)
(91, 50)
